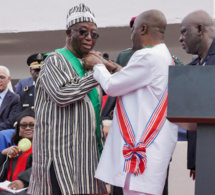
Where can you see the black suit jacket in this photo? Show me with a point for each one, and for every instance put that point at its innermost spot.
(191, 135)
(8, 110)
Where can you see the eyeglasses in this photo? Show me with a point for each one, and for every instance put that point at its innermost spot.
(85, 33)
(25, 125)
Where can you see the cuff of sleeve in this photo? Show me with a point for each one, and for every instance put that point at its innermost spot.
(98, 65)
(107, 122)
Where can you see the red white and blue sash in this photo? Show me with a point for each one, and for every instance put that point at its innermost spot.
(135, 153)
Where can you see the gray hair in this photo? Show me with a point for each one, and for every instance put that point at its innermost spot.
(6, 70)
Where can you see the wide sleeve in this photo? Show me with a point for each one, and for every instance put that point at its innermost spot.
(137, 74)
(61, 82)
(24, 176)
(4, 166)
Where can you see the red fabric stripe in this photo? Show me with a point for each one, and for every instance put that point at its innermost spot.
(157, 122)
(133, 164)
(127, 124)
(123, 126)
(104, 99)
(20, 165)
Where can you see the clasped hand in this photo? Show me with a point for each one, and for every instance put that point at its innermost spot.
(91, 59)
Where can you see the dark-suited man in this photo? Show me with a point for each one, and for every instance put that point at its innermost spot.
(8, 101)
(27, 94)
(27, 82)
(197, 38)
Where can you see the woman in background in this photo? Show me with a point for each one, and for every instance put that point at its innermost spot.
(17, 168)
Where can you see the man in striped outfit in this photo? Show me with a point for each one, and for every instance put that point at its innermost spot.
(140, 142)
(68, 134)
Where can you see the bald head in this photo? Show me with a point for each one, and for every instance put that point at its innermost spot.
(148, 29)
(154, 19)
(199, 17)
(197, 33)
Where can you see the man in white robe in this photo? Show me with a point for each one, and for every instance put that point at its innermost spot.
(141, 85)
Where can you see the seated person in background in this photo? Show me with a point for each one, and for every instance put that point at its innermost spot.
(8, 108)
(32, 61)
(5, 138)
(8, 100)
(27, 95)
(18, 168)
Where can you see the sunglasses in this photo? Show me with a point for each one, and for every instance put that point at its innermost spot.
(85, 33)
(25, 125)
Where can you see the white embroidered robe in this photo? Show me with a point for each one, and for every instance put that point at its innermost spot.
(141, 84)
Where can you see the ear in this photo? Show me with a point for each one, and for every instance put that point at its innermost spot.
(144, 29)
(200, 28)
(68, 32)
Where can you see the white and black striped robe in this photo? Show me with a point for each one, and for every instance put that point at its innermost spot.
(65, 130)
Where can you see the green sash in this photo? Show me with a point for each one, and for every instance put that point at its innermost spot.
(93, 94)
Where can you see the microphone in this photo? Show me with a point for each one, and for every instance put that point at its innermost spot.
(106, 56)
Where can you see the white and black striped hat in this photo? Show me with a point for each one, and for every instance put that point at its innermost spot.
(78, 14)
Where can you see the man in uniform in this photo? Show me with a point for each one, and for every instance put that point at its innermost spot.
(27, 95)
(27, 82)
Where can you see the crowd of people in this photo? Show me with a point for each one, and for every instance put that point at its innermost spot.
(80, 148)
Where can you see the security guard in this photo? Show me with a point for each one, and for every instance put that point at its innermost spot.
(27, 95)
